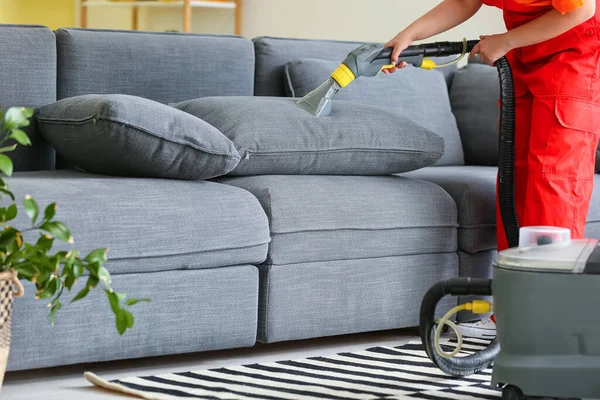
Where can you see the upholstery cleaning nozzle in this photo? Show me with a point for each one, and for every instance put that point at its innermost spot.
(318, 102)
(369, 60)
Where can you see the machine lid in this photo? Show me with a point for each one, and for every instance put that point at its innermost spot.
(548, 249)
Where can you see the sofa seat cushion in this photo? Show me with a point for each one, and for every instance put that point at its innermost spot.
(122, 135)
(152, 224)
(474, 191)
(317, 299)
(417, 94)
(277, 137)
(323, 218)
(190, 312)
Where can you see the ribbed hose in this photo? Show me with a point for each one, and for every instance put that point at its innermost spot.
(461, 366)
(477, 362)
(506, 171)
(437, 49)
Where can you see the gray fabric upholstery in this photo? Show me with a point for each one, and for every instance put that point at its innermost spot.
(299, 301)
(152, 224)
(474, 95)
(275, 136)
(272, 54)
(415, 93)
(190, 311)
(124, 135)
(478, 265)
(28, 77)
(165, 67)
(324, 218)
(474, 191)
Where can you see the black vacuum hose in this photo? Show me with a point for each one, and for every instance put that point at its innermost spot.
(477, 362)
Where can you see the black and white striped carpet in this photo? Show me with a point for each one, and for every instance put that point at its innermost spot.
(402, 372)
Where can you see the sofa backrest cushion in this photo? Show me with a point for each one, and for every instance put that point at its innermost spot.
(474, 95)
(415, 93)
(164, 67)
(272, 55)
(28, 79)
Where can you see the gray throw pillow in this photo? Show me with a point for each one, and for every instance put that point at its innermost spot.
(415, 93)
(125, 135)
(275, 136)
(474, 94)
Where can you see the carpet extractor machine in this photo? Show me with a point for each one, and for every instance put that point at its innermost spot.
(545, 287)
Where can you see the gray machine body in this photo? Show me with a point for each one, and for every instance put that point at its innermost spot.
(546, 301)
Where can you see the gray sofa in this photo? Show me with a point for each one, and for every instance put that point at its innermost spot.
(234, 260)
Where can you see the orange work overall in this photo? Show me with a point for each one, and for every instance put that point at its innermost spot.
(557, 94)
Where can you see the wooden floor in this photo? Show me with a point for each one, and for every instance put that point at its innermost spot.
(67, 383)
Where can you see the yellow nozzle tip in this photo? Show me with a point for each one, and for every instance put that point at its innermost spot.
(343, 75)
(428, 64)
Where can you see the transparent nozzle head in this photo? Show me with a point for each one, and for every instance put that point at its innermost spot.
(318, 102)
(542, 235)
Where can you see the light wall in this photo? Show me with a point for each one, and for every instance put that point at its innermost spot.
(356, 20)
(51, 13)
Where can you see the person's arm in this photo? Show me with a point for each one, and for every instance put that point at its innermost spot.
(546, 27)
(445, 16)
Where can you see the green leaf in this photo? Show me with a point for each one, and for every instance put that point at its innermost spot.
(11, 212)
(94, 269)
(104, 275)
(70, 279)
(17, 117)
(8, 148)
(31, 208)
(114, 302)
(84, 292)
(132, 302)
(50, 290)
(49, 212)
(26, 270)
(21, 137)
(45, 243)
(7, 237)
(57, 306)
(97, 256)
(6, 165)
(124, 320)
(59, 230)
(8, 193)
(92, 282)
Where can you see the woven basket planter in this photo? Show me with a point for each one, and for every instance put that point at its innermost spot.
(10, 287)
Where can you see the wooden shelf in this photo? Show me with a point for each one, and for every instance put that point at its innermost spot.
(160, 4)
(186, 5)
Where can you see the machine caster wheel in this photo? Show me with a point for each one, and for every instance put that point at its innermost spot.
(512, 393)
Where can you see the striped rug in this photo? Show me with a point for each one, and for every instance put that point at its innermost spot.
(402, 372)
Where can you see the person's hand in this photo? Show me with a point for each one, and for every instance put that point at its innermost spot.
(491, 48)
(400, 42)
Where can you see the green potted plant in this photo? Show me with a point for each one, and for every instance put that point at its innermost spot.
(51, 272)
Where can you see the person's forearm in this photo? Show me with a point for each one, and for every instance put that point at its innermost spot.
(549, 25)
(445, 16)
